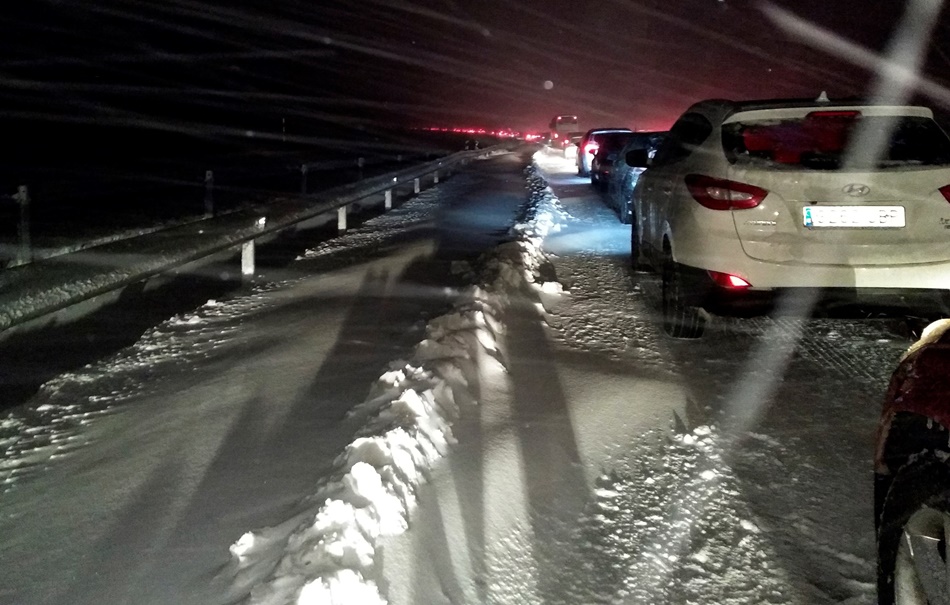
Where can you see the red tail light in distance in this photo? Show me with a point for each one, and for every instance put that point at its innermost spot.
(720, 194)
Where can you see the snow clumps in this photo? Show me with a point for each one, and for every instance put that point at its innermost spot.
(521, 262)
(328, 553)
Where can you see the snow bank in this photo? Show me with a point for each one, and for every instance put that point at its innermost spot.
(328, 554)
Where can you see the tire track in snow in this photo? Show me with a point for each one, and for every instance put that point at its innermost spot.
(807, 464)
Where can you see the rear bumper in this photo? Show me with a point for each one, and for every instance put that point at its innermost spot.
(934, 276)
(724, 253)
(701, 291)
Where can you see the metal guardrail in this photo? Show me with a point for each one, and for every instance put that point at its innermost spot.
(34, 290)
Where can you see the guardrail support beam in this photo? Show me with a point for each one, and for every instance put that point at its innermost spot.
(388, 204)
(303, 179)
(247, 259)
(416, 186)
(435, 178)
(341, 218)
(25, 248)
(209, 193)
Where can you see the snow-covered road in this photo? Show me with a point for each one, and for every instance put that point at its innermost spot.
(592, 459)
(611, 464)
(127, 481)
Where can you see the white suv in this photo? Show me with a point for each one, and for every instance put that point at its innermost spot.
(746, 198)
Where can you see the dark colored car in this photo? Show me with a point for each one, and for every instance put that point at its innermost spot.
(572, 143)
(603, 161)
(912, 475)
(624, 177)
(566, 141)
(589, 145)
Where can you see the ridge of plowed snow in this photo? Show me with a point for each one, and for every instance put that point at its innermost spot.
(328, 554)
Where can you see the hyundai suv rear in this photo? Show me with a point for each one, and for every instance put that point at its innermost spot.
(748, 198)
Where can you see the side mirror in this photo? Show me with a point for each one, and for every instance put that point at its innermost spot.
(638, 158)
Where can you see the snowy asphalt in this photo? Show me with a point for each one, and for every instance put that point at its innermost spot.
(600, 462)
(612, 464)
(127, 481)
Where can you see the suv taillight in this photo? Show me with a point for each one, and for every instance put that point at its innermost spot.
(727, 280)
(592, 148)
(720, 194)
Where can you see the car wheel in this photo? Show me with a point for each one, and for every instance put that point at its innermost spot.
(680, 320)
(913, 534)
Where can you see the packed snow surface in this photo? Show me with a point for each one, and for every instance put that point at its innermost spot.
(611, 464)
(544, 442)
(330, 555)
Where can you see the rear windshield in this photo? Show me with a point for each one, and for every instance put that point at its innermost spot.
(615, 141)
(820, 141)
(602, 137)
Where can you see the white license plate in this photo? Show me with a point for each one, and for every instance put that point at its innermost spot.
(861, 217)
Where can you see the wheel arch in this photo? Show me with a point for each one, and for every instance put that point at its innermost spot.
(905, 438)
(908, 434)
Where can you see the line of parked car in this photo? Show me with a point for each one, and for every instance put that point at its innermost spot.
(847, 203)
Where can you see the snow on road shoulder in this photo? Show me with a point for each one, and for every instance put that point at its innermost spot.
(373, 234)
(54, 422)
(328, 554)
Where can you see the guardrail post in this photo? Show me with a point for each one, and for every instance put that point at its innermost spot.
(25, 250)
(303, 179)
(247, 259)
(435, 178)
(416, 186)
(341, 218)
(359, 164)
(388, 204)
(209, 193)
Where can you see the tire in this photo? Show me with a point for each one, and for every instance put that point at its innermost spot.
(680, 320)
(917, 505)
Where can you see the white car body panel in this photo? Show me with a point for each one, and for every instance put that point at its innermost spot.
(771, 247)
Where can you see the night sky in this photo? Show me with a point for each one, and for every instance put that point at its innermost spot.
(223, 68)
